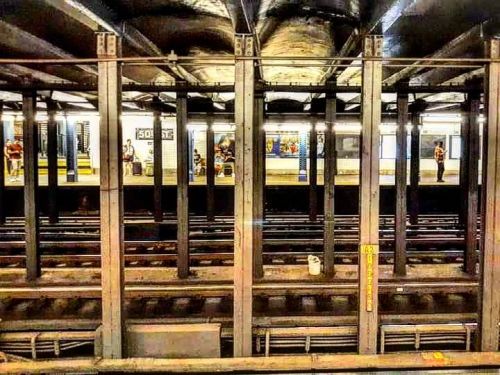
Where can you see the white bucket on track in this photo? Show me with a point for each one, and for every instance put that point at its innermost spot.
(314, 265)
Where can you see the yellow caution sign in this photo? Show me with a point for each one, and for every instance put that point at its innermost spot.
(369, 252)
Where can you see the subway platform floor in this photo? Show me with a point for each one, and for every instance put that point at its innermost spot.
(293, 180)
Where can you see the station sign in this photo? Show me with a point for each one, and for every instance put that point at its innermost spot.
(146, 134)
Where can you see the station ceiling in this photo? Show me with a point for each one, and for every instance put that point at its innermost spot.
(322, 28)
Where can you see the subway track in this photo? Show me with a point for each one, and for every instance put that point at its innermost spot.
(226, 259)
(287, 240)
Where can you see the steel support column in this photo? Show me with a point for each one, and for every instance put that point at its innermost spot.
(53, 211)
(490, 245)
(471, 182)
(210, 169)
(414, 167)
(369, 197)
(259, 145)
(313, 173)
(31, 206)
(244, 196)
(329, 186)
(111, 196)
(71, 152)
(2, 168)
(182, 187)
(158, 160)
(464, 159)
(401, 188)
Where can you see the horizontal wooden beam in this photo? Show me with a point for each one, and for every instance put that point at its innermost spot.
(422, 360)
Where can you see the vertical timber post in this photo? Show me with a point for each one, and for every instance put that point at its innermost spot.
(471, 182)
(31, 209)
(313, 172)
(401, 188)
(329, 186)
(489, 311)
(2, 168)
(210, 169)
(182, 187)
(111, 206)
(244, 196)
(369, 198)
(158, 160)
(258, 130)
(53, 211)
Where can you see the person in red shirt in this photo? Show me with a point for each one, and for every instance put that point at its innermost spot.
(15, 152)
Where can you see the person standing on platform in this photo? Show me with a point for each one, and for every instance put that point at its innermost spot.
(15, 151)
(7, 157)
(439, 153)
(128, 157)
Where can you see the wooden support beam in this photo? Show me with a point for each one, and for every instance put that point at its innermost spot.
(31, 206)
(313, 173)
(158, 160)
(401, 187)
(259, 142)
(369, 197)
(414, 167)
(490, 211)
(329, 186)
(2, 168)
(447, 362)
(210, 169)
(182, 188)
(244, 196)
(111, 196)
(53, 210)
(471, 182)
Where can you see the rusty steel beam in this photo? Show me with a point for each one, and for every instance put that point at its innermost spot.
(490, 209)
(111, 197)
(244, 201)
(369, 198)
(31, 195)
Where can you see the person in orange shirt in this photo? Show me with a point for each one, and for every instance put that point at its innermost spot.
(439, 153)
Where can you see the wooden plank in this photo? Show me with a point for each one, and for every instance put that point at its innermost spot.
(53, 211)
(158, 160)
(329, 187)
(284, 364)
(182, 188)
(31, 205)
(244, 197)
(210, 170)
(258, 269)
(111, 196)
(313, 172)
(401, 188)
(414, 166)
(2, 168)
(471, 183)
(490, 210)
(369, 198)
